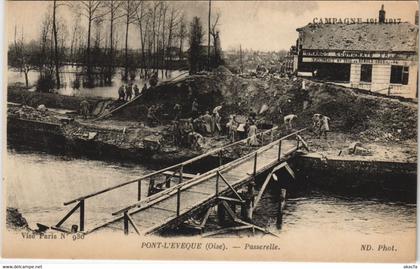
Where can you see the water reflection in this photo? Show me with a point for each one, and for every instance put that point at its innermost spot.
(38, 184)
(69, 74)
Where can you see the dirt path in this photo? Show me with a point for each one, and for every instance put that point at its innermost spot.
(337, 146)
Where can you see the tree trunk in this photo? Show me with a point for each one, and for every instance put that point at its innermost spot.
(208, 43)
(56, 60)
(26, 79)
(89, 67)
(111, 48)
(126, 46)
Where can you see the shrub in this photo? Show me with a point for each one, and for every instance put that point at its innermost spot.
(45, 82)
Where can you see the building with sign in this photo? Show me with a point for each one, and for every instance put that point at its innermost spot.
(380, 57)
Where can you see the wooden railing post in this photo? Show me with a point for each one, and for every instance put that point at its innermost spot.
(279, 153)
(82, 215)
(255, 165)
(180, 173)
(217, 183)
(125, 222)
(139, 190)
(178, 201)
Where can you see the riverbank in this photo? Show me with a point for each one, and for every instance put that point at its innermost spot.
(108, 139)
(385, 129)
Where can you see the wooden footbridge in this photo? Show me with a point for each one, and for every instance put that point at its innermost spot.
(182, 197)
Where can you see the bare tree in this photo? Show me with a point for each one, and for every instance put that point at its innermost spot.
(142, 18)
(214, 32)
(91, 10)
(114, 9)
(208, 37)
(173, 23)
(74, 36)
(56, 59)
(182, 34)
(164, 9)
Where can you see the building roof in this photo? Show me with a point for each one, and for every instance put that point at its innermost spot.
(362, 36)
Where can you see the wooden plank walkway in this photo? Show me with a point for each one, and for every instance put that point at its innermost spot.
(199, 196)
(189, 194)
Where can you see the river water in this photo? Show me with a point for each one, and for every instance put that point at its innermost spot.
(38, 184)
(68, 75)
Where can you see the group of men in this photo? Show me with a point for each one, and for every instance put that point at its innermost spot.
(208, 124)
(238, 130)
(190, 132)
(320, 125)
(125, 92)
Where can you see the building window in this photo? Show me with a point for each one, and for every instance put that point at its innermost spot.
(366, 73)
(399, 74)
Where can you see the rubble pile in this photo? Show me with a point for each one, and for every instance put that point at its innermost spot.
(30, 113)
(14, 219)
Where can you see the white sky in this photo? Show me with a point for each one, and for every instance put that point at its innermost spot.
(262, 25)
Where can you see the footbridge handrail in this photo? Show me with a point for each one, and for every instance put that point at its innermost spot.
(176, 166)
(149, 201)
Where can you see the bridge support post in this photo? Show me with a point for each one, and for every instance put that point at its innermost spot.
(247, 207)
(178, 201)
(279, 152)
(82, 215)
(221, 214)
(255, 165)
(125, 223)
(151, 187)
(282, 204)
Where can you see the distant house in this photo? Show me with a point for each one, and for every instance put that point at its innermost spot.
(380, 56)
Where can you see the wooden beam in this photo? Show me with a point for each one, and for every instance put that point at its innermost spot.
(305, 145)
(289, 169)
(206, 217)
(133, 224)
(230, 186)
(260, 193)
(60, 229)
(229, 211)
(225, 230)
(256, 227)
(233, 200)
(67, 215)
(176, 174)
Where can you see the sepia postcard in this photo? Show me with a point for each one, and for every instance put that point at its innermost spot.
(210, 130)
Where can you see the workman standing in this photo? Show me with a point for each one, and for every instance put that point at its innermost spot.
(151, 118)
(136, 90)
(121, 93)
(316, 123)
(128, 92)
(325, 126)
(84, 108)
(194, 109)
(177, 111)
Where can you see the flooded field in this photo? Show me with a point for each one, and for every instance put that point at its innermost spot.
(40, 198)
(68, 75)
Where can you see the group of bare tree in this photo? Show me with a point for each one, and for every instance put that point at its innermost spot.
(96, 30)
